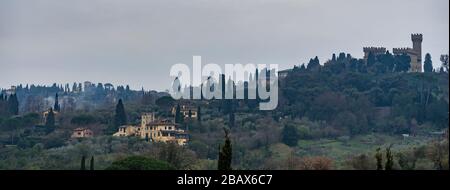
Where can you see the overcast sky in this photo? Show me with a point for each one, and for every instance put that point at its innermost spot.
(137, 41)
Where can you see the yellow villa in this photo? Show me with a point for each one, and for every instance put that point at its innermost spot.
(155, 130)
(164, 131)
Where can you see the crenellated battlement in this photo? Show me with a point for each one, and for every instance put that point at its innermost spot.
(374, 49)
(402, 49)
(415, 53)
(417, 37)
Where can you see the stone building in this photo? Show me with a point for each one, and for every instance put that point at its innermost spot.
(415, 53)
(155, 130)
(82, 133)
(128, 130)
(374, 50)
(164, 131)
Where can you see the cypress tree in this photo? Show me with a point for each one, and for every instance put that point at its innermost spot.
(199, 114)
(428, 64)
(56, 107)
(120, 117)
(92, 163)
(3, 103)
(83, 163)
(178, 116)
(13, 105)
(50, 120)
(225, 154)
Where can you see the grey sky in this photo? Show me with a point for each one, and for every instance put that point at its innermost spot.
(136, 42)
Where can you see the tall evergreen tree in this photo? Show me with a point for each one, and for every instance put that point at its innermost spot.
(302, 68)
(178, 115)
(56, 107)
(428, 64)
(225, 154)
(3, 105)
(50, 120)
(83, 163)
(13, 104)
(91, 166)
(313, 64)
(199, 114)
(120, 117)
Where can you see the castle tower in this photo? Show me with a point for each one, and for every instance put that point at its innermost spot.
(417, 48)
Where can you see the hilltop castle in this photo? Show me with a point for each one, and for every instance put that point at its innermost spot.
(415, 53)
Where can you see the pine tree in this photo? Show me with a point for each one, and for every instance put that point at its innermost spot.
(428, 64)
(56, 107)
(120, 117)
(225, 154)
(50, 120)
(91, 166)
(83, 163)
